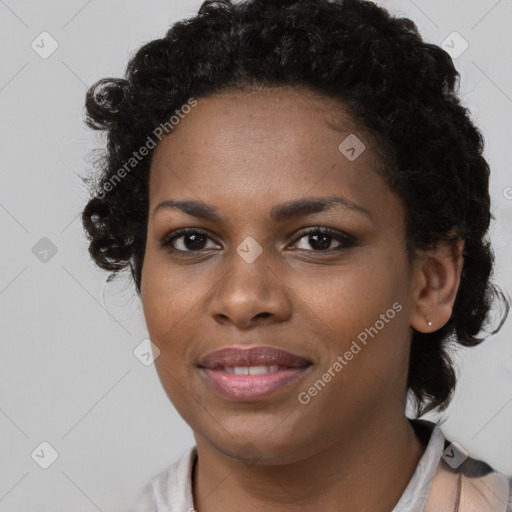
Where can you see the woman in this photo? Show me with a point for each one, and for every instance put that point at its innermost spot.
(303, 204)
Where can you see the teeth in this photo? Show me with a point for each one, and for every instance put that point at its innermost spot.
(251, 370)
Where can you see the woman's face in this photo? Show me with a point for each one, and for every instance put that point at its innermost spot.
(259, 274)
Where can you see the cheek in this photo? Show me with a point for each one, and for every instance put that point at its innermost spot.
(170, 304)
(173, 301)
(346, 300)
(161, 290)
(358, 314)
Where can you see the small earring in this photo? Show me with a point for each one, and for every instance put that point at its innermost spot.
(429, 323)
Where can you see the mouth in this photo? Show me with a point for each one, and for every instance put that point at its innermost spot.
(250, 374)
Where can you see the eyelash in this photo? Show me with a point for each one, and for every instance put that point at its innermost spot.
(346, 240)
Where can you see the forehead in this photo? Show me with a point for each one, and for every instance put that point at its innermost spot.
(263, 145)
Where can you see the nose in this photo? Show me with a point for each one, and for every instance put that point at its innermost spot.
(250, 294)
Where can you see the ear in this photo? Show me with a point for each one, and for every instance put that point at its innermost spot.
(438, 273)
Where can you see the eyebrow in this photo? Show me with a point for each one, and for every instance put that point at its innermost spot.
(279, 213)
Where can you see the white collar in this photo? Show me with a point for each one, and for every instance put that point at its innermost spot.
(171, 490)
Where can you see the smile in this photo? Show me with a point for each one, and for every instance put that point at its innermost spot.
(242, 383)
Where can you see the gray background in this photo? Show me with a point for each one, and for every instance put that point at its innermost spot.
(68, 374)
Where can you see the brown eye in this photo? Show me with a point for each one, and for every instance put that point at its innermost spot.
(186, 240)
(320, 239)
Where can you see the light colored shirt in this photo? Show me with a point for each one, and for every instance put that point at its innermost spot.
(445, 480)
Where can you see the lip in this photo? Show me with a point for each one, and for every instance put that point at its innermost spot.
(253, 356)
(252, 387)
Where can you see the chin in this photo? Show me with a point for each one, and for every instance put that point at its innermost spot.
(260, 448)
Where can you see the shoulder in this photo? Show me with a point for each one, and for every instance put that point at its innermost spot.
(470, 484)
(145, 501)
(455, 481)
(483, 488)
(154, 494)
(169, 490)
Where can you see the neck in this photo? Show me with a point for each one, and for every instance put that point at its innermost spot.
(368, 469)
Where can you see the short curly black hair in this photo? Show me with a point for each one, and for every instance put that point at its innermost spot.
(394, 85)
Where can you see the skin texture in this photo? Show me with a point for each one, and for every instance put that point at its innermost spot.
(244, 153)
